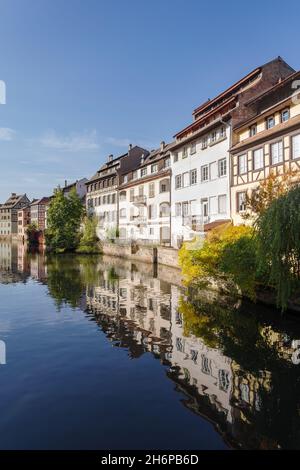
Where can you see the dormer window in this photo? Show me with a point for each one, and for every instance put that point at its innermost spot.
(270, 122)
(167, 162)
(134, 175)
(143, 172)
(222, 132)
(184, 152)
(285, 115)
(154, 168)
(125, 178)
(253, 130)
(213, 136)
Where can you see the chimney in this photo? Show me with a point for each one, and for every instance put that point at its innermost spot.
(13, 194)
(129, 147)
(66, 183)
(162, 145)
(110, 158)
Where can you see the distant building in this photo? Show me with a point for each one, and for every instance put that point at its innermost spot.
(23, 220)
(102, 189)
(9, 214)
(38, 213)
(79, 186)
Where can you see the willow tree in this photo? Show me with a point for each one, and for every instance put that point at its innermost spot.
(278, 230)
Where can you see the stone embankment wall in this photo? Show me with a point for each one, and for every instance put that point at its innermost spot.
(143, 253)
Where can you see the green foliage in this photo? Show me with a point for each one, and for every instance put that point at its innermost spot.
(64, 219)
(279, 244)
(89, 240)
(227, 252)
(112, 233)
(32, 233)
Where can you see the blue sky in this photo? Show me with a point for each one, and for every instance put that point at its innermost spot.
(85, 78)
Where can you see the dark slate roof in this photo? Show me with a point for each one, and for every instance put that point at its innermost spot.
(12, 201)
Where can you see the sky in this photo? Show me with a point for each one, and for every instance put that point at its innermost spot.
(84, 78)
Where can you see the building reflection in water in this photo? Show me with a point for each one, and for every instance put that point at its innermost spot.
(238, 368)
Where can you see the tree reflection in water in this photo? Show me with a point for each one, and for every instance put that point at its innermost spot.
(236, 363)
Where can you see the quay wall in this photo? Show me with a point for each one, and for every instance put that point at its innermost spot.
(144, 253)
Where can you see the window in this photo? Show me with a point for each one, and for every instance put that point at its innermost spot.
(122, 213)
(253, 130)
(152, 211)
(285, 115)
(184, 152)
(167, 162)
(177, 181)
(164, 186)
(213, 136)
(270, 122)
(222, 204)
(164, 209)
(113, 198)
(185, 208)
(122, 196)
(154, 168)
(213, 170)
(258, 159)
(125, 178)
(151, 190)
(276, 153)
(134, 175)
(296, 146)
(193, 176)
(175, 158)
(193, 148)
(213, 205)
(222, 132)
(242, 163)
(141, 190)
(185, 179)
(241, 201)
(178, 209)
(205, 364)
(204, 173)
(222, 167)
(131, 197)
(143, 172)
(204, 143)
(224, 381)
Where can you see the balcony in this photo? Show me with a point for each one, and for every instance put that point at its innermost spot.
(194, 222)
(139, 200)
(139, 219)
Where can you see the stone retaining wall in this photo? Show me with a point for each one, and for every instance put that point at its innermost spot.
(143, 253)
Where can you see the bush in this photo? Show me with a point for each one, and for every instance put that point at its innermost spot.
(89, 240)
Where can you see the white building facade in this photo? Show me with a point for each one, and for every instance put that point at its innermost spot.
(200, 181)
(145, 199)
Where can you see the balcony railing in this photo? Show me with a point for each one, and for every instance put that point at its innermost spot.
(195, 222)
(139, 219)
(141, 199)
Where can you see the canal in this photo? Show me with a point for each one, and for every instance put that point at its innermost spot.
(103, 353)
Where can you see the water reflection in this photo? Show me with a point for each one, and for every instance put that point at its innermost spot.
(236, 364)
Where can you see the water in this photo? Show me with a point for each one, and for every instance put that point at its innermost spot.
(103, 353)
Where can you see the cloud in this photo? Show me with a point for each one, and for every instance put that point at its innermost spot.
(6, 133)
(75, 142)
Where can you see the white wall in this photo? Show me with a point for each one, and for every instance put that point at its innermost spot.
(213, 188)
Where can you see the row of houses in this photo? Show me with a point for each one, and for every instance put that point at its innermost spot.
(200, 179)
(18, 212)
(188, 186)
